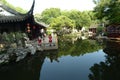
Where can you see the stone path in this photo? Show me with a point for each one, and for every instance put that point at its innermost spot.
(45, 45)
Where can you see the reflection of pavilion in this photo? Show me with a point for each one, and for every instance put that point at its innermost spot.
(28, 69)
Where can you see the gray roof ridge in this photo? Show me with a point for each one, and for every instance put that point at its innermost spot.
(12, 11)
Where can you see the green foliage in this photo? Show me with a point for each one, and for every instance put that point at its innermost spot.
(108, 11)
(12, 37)
(104, 70)
(62, 22)
(5, 37)
(18, 36)
(19, 9)
(81, 19)
(80, 47)
(100, 29)
(75, 16)
(58, 19)
(86, 18)
(3, 1)
(38, 17)
(114, 12)
(48, 14)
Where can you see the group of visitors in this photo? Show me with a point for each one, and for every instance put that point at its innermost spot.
(43, 36)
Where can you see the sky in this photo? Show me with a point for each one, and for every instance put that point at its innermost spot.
(41, 5)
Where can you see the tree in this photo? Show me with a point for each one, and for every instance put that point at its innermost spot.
(79, 19)
(82, 19)
(113, 12)
(38, 17)
(108, 11)
(62, 22)
(49, 14)
(74, 15)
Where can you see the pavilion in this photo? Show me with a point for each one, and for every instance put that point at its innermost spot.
(113, 31)
(13, 21)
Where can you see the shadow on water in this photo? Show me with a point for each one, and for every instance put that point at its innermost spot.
(110, 68)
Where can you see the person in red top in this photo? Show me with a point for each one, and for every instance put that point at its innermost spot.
(39, 41)
(50, 39)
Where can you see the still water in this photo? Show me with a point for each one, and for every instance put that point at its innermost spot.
(71, 68)
(76, 59)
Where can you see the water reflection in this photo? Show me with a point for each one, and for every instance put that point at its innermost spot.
(80, 47)
(28, 69)
(112, 47)
(110, 68)
(72, 60)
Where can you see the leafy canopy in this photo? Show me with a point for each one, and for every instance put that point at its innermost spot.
(108, 11)
(62, 22)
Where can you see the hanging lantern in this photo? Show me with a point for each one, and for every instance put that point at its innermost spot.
(34, 27)
(28, 30)
(28, 27)
(28, 24)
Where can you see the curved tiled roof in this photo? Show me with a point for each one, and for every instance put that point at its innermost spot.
(17, 16)
(4, 19)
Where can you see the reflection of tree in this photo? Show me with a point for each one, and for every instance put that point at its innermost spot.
(110, 69)
(27, 69)
(79, 47)
(112, 48)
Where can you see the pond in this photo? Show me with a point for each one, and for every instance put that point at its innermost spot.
(76, 59)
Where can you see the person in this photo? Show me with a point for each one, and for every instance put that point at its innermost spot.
(39, 41)
(50, 39)
(42, 32)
